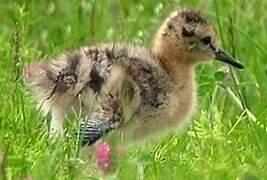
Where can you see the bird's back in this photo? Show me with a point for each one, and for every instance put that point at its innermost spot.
(85, 78)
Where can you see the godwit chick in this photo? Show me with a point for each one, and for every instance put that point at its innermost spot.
(140, 91)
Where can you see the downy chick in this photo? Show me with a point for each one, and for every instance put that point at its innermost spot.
(139, 91)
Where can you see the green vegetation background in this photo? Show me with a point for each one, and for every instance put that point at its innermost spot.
(228, 136)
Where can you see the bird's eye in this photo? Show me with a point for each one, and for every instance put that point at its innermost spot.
(206, 40)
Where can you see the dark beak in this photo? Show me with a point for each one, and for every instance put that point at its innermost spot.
(223, 56)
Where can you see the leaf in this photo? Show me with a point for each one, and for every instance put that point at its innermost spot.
(219, 76)
(145, 159)
(16, 161)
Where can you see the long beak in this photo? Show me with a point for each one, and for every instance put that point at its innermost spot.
(223, 56)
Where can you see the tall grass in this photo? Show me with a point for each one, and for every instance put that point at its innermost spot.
(228, 136)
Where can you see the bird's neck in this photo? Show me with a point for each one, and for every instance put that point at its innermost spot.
(178, 69)
(182, 96)
(174, 63)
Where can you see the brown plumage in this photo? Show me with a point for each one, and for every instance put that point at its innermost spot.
(139, 91)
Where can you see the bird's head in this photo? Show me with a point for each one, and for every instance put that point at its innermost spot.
(187, 36)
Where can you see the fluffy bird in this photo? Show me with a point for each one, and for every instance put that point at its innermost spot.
(129, 88)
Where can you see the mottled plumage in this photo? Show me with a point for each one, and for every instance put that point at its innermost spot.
(76, 79)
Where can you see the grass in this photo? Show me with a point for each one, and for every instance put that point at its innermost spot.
(228, 136)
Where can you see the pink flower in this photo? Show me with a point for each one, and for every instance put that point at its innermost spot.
(103, 155)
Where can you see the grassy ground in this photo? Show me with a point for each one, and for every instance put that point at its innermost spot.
(228, 137)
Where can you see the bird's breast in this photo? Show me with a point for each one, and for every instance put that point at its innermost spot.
(182, 103)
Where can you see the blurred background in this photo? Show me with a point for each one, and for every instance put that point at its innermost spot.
(227, 138)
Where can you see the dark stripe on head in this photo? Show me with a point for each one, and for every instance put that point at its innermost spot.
(191, 16)
(187, 33)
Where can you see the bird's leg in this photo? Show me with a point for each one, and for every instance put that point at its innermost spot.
(56, 125)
